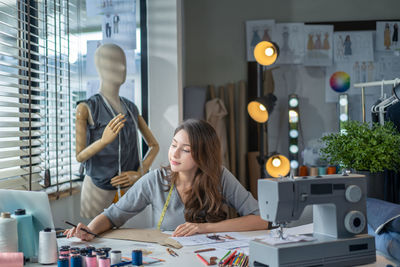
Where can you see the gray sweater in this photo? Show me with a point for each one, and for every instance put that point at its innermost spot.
(151, 190)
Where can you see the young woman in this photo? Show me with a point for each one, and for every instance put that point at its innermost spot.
(194, 190)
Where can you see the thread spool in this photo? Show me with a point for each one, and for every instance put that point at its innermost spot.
(99, 254)
(106, 251)
(104, 262)
(116, 256)
(137, 257)
(313, 171)
(26, 233)
(303, 171)
(8, 233)
(331, 170)
(91, 260)
(91, 250)
(321, 170)
(12, 259)
(48, 247)
(76, 261)
(64, 262)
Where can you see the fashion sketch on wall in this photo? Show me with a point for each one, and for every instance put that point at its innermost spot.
(101, 7)
(318, 45)
(257, 31)
(387, 36)
(353, 46)
(120, 29)
(290, 39)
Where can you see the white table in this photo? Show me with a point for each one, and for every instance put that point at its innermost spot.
(186, 256)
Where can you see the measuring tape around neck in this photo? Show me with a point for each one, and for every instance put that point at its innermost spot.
(165, 207)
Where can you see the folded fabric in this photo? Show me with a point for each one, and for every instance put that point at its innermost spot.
(387, 242)
(383, 215)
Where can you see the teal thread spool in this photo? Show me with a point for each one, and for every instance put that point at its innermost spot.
(26, 233)
(321, 170)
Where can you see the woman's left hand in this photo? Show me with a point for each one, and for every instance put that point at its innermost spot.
(188, 229)
(127, 178)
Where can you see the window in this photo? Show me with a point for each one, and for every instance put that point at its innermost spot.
(38, 80)
(43, 63)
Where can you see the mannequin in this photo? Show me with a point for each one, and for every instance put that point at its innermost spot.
(111, 155)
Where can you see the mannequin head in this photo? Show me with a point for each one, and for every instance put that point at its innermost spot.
(110, 63)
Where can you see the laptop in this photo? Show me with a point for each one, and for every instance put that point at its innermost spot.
(35, 203)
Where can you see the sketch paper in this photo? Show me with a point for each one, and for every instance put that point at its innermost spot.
(386, 66)
(387, 36)
(353, 46)
(100, 7)
(202, 239)
(290, 40)
(120, 29)
(257, 31)
(318, 45)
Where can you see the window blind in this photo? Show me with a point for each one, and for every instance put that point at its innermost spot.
(37, 96)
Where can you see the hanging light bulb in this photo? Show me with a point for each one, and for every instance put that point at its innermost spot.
(277, 165)
(276, 162)
(266, 53)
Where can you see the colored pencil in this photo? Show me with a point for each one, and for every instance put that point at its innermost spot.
(229, 258)
(204, 250)
(202, 259)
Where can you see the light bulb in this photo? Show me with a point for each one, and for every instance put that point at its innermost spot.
(276, 162)
(262, 107)
(344, 117)
(293, 133)
(294, 164)
(269, 51)
(294, 149)
(293, 116)
(293, 102)
(343, 102)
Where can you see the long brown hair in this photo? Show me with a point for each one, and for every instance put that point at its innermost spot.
(204, 200)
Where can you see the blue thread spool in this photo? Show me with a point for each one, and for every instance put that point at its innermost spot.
(26, 233)
(76, 261)
(321, 170)
(63, 262)
(137, 257)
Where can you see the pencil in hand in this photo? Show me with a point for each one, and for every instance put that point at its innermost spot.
(83, 229)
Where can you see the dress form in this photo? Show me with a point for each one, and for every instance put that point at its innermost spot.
(111, 65)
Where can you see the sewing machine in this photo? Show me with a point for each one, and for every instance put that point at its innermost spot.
(339, 219)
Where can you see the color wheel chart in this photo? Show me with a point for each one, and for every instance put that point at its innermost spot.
(340, 81)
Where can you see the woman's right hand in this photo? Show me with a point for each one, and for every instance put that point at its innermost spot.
(76, 231)
(112, 129)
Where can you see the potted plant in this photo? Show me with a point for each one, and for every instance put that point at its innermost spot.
(365, 148)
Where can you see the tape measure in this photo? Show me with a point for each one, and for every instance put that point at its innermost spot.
(165, 207)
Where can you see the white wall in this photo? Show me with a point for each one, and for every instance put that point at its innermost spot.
(215, 53)
(165, 69)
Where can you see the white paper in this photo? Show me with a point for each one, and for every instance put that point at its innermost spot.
(202, 239)
(290, 40)
(275, 240)
(99, 7)
(120, 29)
(353, 46)
(257, 31)
(387, 35)
(318, 45)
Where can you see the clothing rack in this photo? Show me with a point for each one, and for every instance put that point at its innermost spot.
(371, 84)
